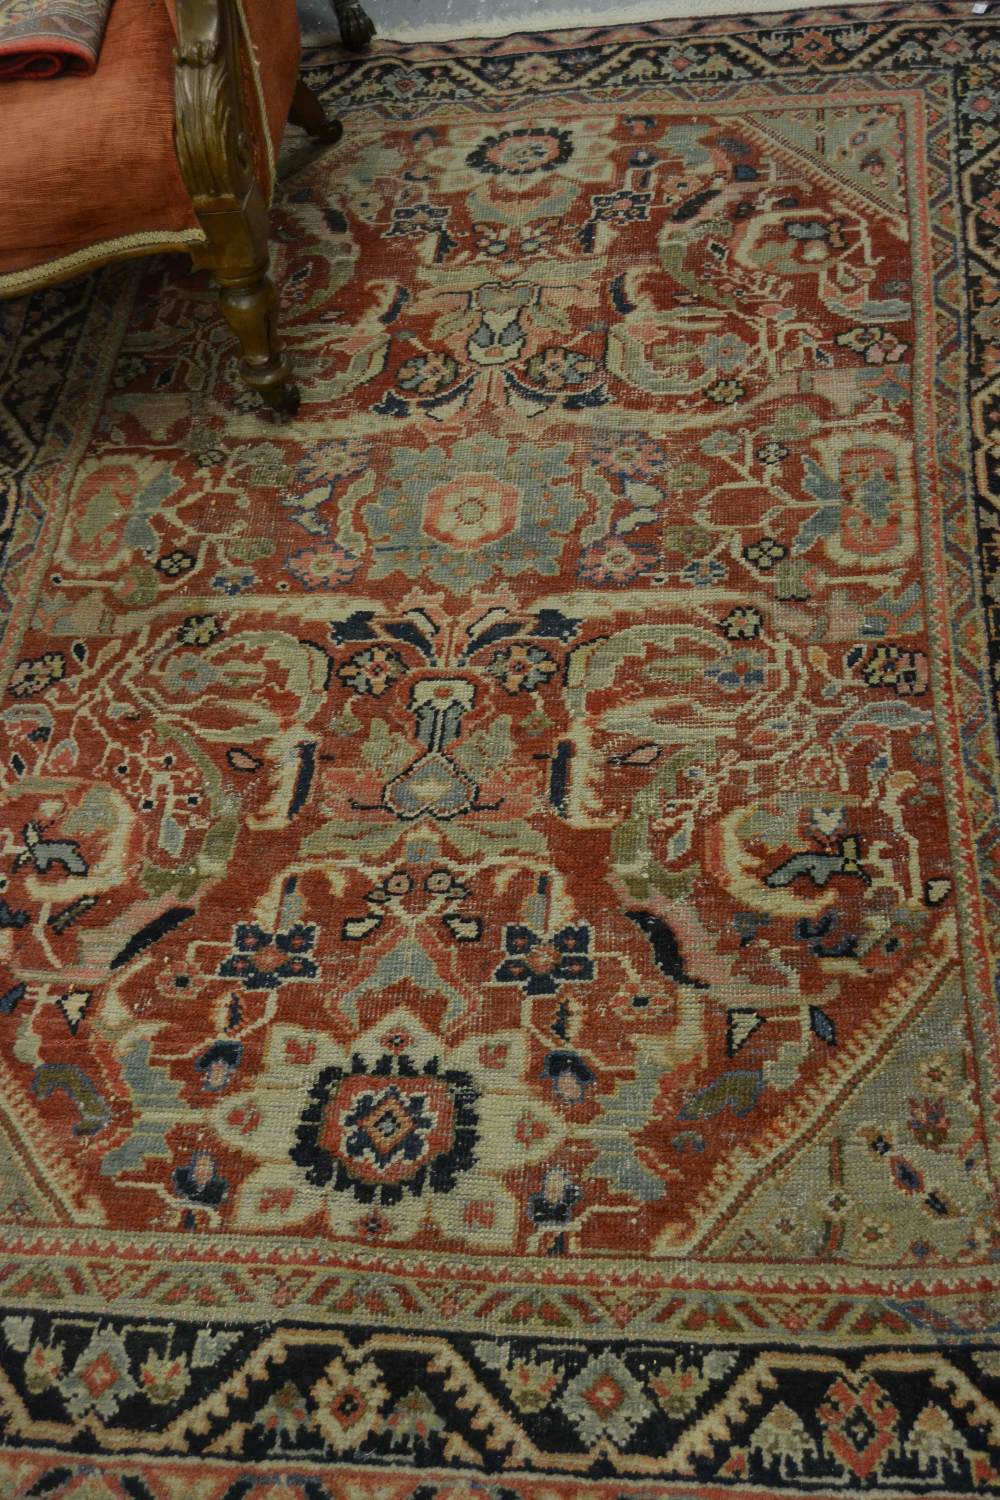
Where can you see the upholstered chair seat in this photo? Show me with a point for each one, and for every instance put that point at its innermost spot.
(138, 157)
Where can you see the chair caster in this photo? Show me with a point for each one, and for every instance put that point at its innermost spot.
(356, 26)
(283, 400)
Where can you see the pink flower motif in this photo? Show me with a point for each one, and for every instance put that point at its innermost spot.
(325, 566)
(617, 562)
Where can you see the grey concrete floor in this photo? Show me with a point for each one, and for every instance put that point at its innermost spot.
(460, 17)
(405, 20)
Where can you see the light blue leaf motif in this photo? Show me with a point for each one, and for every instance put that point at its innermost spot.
(137, 532)
(888, 715)
(819, 483)
(822, 523)
(210, 1345)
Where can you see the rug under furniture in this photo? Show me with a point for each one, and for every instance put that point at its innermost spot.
(499, 899)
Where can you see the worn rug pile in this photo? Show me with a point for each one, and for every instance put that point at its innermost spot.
(499, 905)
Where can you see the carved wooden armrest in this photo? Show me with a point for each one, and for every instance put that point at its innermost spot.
(213, 145)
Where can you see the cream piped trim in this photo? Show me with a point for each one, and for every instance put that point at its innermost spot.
(145, 241)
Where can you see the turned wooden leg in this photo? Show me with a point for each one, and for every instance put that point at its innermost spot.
(237, 256)
(356, 27)
(250, 306)
(212, 134)
(307, 112)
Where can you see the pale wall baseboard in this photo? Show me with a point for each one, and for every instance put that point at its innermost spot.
(542, 18)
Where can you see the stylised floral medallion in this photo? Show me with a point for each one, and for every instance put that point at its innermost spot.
(380, 1136)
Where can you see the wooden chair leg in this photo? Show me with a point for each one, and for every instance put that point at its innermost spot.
(307, 112)
(236, 254)
(212, 137)
(249, 305)
(356, 27)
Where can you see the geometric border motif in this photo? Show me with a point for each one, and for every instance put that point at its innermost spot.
(301, 1395)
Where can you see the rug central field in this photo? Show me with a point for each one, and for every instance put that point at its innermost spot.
(499, 895)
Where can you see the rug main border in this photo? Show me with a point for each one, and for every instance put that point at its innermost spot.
(71, 1243)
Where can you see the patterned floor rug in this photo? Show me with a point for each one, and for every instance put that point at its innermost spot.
(499, 899)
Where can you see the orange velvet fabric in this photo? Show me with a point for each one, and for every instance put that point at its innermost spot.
(89, 159)
(84, 160)
(278, 48)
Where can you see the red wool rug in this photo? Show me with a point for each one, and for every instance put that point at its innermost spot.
(499, 904)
